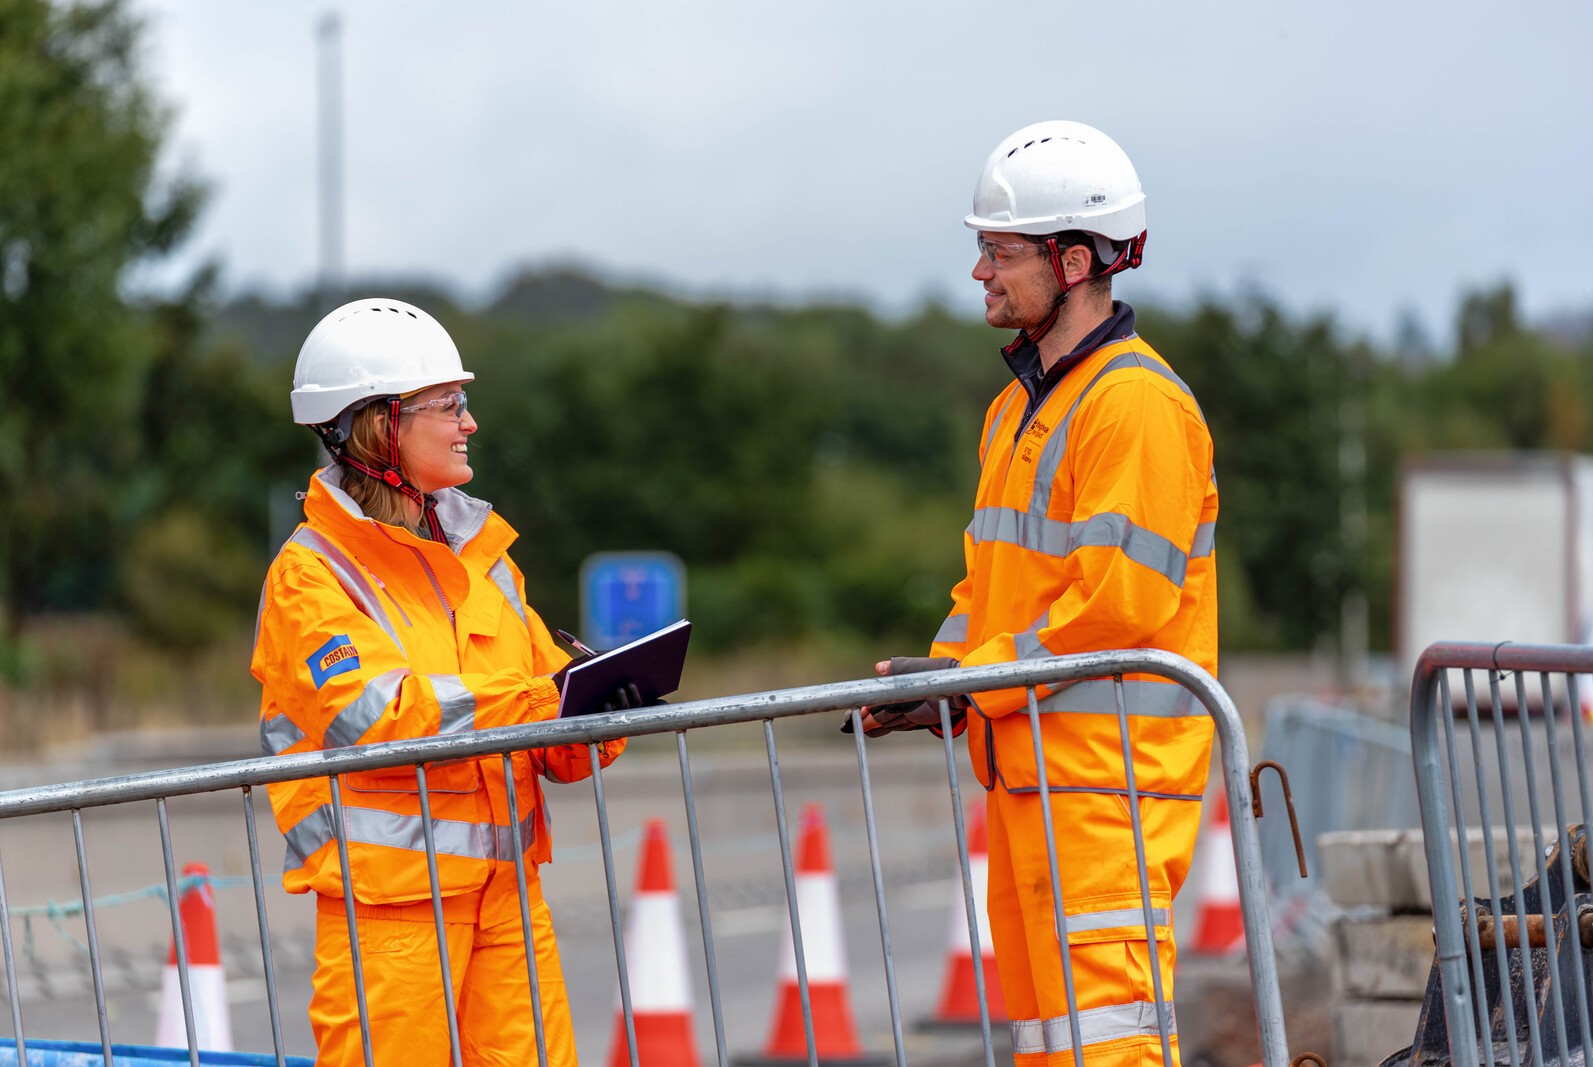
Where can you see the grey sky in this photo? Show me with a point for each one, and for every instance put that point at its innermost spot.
(1353, 156)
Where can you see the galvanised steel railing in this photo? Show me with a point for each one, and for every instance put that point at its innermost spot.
(681, 720)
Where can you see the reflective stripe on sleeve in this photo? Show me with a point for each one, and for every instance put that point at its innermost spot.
(1096, 1025)
(1052, 537)
(369, 826)
(955, 628)
(351, 724)
(1205, 541)
(504, 580)
(350, 577)
(455, 702)
(278, 734)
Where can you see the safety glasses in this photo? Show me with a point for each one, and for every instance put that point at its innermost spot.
(1002, 253)
(451, 405)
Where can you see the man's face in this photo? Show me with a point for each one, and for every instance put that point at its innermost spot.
(1020, 287)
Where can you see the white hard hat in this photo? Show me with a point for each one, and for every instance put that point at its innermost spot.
(1055, 176)
(370, 348)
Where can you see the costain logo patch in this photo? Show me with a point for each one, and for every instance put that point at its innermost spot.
(337, 656)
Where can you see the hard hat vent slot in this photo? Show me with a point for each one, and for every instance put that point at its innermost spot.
(1031, 144)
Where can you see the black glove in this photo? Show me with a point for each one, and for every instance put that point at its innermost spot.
(558, 675)
(880, 719)
(622, 698)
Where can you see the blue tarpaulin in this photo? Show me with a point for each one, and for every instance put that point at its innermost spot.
(92, 1054)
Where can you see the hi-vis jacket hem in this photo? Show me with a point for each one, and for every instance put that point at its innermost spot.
(367, 633)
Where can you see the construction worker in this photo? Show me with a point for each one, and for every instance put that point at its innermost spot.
(394, 611)
(1092, 530)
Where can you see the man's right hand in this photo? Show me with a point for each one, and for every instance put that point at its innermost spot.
(879, 719)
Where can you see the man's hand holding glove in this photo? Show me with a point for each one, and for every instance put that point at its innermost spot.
(879, 719)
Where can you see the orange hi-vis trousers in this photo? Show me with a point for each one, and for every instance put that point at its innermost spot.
(1111, 962)
(403, 981)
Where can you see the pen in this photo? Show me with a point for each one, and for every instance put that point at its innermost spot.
(574, 642)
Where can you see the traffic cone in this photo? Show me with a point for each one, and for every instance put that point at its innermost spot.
(959, 992)
(823, 951)
(206, 984)
(1219, 922)
(655, 951)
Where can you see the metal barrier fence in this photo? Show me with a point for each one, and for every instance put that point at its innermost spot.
(1347, 771)
(1515, 961)
(681, 720)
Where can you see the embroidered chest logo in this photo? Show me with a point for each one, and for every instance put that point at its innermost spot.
(1030, 443)
(337, 656)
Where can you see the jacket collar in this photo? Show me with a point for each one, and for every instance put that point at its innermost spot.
(463, 517)
(1024, 359)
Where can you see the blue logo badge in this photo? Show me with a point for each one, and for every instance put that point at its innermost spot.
(337, 656)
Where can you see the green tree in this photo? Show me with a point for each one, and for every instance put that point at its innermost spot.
(81, 201)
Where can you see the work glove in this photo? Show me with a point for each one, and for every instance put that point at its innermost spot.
(880, 719)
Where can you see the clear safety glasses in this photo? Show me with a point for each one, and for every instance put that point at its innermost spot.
(1002, 253)
(450, 405)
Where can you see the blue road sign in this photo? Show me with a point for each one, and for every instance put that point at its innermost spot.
(626, 595)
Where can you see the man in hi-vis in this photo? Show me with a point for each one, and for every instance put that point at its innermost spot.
(1092, 529)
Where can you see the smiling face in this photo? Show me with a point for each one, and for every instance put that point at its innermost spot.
(1020, 283)
(434, 442)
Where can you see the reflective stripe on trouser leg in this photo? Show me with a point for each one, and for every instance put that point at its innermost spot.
(404, 991)
(1111, 963)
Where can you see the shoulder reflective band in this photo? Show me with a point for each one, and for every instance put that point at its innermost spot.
(996, 425)
(1050, 460)
(350, 577)
(504, 580)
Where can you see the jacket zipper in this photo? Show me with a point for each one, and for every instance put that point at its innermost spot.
(436, 585)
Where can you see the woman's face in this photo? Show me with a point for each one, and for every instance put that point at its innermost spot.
(433, 440)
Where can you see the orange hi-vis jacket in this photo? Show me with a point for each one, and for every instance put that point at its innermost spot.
(368, 633)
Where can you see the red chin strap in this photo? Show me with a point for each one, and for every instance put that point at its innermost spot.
(393, 475)
(1129, 258)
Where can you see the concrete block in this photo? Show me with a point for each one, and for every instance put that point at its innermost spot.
(1387, 869)
(1366, 1032)
(1382, 956)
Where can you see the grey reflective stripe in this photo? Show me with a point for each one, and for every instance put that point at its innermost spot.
(1098, 696)
(350, 577)
(370, 826)
(1096, 1025)
(504, 580)
(504, 838)
(996, 425)
(1205, 541)
(455, 702)
(351, 724)
(1104, 791)
(310, 833)
(1113, 920)
(1027, 643)
(1050, 461)
(1052, 537)
(278, 734)
(1056, 445)
(955, 628)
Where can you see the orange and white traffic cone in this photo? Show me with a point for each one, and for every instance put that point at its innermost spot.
(655, 954)
(959, 992)
(207, 986)
(824, 954)
(1219, 922)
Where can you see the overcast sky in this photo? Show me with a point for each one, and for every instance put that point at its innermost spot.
(1355, 157)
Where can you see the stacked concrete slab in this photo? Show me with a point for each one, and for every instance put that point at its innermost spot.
(1383, 937)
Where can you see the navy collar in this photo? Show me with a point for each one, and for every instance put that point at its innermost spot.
(1024, 358)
